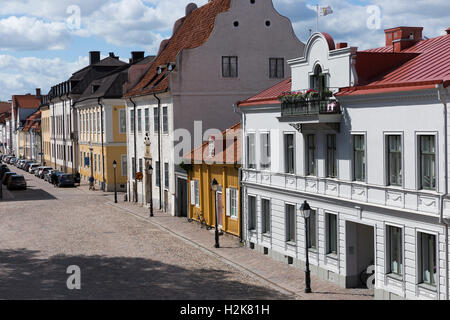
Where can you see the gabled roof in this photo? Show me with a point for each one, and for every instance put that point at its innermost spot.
(5, 107)
(33, 122)
(231, 154)
(193, 32)
(25, 101)
(429, 65)
(269, 96)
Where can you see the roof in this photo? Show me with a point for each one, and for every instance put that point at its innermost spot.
(231, 154)
(33, 121)
(5, 107)
(25, 101)
(268, 96)
(193, 32)
(428, 65)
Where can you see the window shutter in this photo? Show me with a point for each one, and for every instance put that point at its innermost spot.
(193, 193)
(228, 203)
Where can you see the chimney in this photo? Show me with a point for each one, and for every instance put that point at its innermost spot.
(403, 37)
(94, 57)
(190, 7)
(136, 56)
(341, 45)
(448, 30)
(38, 92)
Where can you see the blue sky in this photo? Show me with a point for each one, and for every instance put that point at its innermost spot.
(41, 42)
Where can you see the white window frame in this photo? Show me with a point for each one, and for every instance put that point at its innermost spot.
(386, 134)
(263, 218)
(195, 193)
(366, 160)
(122, 116)
(387, 246)
(288, 223)
(232, 203)
(418, 159)
(124, 165)
(327, 234)
(265, 152)
(420, 281)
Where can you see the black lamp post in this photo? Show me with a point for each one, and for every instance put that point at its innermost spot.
(214, 187)
(115, 182)
(91, 150)
(305, 210)
(150, 172)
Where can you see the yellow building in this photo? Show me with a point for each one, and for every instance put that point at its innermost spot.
(102, 132)
(46, 133)
(218, 159)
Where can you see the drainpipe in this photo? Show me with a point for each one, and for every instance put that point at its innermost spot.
(64, 135)
(241, 189)
(103, 145)
(159, 150)
(54, 138)
(72, 139)
(135, 152)
(440, 89)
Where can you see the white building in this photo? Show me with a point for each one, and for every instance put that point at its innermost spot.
(219, 53)
(374, 170)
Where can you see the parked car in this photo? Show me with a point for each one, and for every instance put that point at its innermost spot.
(6, 176)
(17, 182)
(23, 166)
(47, 175)
(3, 170)
(66, 180)
(12, 160)
(33, 167)
(27, 166)
(37, 170)
(43, 171)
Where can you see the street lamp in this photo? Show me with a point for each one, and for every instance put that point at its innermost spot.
(115, 183)
(214, 187)
(150, 173)
(305, 211)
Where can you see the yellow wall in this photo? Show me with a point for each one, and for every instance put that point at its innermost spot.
(228, 177)
(117, 136)
(46, 135)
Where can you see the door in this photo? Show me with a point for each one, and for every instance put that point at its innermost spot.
(182, 199)
(219, 201)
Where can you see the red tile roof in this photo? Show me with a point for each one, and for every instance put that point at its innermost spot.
(231, 154)
(33, 121)
(268, 96)
(194, 31)
(5, 107)
(430, 66)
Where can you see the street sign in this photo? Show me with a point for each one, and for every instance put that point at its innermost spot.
(139, 176)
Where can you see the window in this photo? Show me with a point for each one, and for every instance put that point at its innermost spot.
(139, 121)
(195, 193)
(147, 120)
(311, 154)
(133, 167)
(124, 165)
(157, 174)
(122, 121)
(166, 175)
(427, 258)
(265, 151)
(265, 213)
(359, 158)
(427, 162)
(251, 213)
(331, 156)
(331, 220)
(99, 122)
(232, 203)
(290, 223)
(395, 250)
(251, 161)
(289, 152)
(312, 240)
(132, 121)
(276, 68)
(394, 160)
(165, 121)
(156, 119)
(229, 67)
(140, 165)
(319, 80)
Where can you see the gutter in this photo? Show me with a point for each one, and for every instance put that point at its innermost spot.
(64, 135)
(441, 97)
(159, 150)
(135, 152)
(103, 145)
(241, 185)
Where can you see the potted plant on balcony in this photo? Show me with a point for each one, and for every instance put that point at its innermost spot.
(312, 94)
(291, 97)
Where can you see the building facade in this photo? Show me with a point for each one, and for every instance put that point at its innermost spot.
(211, 61)
(368, 151)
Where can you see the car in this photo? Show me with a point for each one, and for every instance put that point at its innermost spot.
(47, 175)
(3, 170)
(24, 164)
(43, 171)
(12, 160)
(17, 182)
(65, 180)
(27, 166)
(37, 170)
(6, 176)
(33, 167)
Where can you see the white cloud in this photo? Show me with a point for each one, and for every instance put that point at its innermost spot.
(23, 75)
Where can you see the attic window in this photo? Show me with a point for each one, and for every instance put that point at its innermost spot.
(236, 23)
(267, 23)
(95, 88)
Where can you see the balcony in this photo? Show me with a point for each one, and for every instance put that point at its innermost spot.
(312, 113)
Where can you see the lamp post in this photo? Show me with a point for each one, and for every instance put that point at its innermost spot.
(150, 173)
(214, 187)
(305, 211)
(115, 183)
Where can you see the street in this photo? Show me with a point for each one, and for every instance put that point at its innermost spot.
(44, 230)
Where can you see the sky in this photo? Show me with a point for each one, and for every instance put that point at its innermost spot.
(42, 42)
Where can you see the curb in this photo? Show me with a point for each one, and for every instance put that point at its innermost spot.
(212, 253)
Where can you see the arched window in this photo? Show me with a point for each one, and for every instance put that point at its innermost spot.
(319, 80)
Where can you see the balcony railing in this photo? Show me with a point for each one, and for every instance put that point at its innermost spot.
(310, 107)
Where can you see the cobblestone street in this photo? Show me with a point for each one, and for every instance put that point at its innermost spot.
(124, 256)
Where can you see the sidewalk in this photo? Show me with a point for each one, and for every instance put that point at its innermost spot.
(279, 276)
